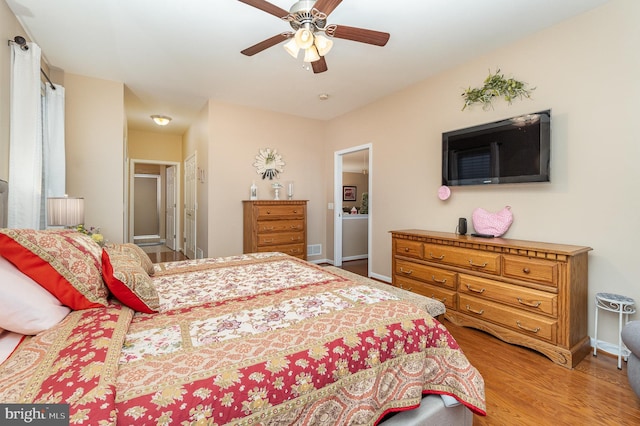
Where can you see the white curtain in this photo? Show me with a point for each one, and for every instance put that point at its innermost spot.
(53, 142)
(25, 139)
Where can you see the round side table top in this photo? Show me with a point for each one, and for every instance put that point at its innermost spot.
(615, 298)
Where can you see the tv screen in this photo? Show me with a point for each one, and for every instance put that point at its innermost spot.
(508, 151)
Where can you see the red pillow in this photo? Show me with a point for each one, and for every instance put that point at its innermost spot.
(129, 282)
(64, 262)
(134, 252)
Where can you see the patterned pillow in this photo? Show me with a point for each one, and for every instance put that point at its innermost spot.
(135, 252)
(129, 282)
(65, 262)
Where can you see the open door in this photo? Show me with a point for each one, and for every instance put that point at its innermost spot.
(170, 207)
(190, 206)
(338, 201)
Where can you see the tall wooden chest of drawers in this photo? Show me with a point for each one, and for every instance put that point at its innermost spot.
(273, 225)
(527, 293)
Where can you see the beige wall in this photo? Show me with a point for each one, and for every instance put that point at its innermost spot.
(237, 135)
(154, 146)
(586, 70)
(9, 28)
(95, 126)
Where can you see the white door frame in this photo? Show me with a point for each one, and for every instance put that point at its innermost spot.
(337, 203)
(190, 232)
(129, 203)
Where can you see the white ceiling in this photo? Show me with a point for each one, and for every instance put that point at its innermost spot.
(174, 55)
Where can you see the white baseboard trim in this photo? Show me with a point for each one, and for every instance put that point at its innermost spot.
(356, 257)
(319, 261)
(381, 278)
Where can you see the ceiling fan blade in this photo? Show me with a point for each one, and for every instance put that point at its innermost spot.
(265, 44)
(326, 6)
(361, 35)
(319, 66)
(265, 6)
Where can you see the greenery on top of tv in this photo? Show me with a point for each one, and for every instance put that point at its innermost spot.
(496, 85)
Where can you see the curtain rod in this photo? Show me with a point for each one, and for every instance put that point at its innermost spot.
(20, 41)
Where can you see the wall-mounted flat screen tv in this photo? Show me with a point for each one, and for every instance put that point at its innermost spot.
(508, 151)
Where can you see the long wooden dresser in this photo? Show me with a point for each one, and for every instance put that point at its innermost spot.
(527, 293)
(274, 225)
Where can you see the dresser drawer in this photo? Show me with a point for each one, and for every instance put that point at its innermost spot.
(520, 297)
(523, 322)
(279, 211)
(427, 274)
(536, 270)
(266, 226)
(475, 260)
(409, 248)
(281, 238)
(448, 297)
(297, 250)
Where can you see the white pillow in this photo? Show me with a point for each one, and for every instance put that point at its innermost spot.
(25, 307)
(9, 341)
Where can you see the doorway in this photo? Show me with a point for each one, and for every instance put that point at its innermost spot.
(346, 224)
(146, 204)
(154, 191)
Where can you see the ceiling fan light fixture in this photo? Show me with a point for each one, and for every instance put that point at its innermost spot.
(323, 44)
(304, 38)
(161, 120)
(311, 54)
(292, 48)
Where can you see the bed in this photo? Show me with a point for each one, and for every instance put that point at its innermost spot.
(261, 338)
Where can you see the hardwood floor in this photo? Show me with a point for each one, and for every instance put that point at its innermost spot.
(360, 267)
(165, 256)
(523, 387)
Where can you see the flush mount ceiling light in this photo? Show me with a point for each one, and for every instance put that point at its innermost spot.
(161, 120)
(308, 19)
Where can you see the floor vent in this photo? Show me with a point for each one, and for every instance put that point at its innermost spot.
(314, 250)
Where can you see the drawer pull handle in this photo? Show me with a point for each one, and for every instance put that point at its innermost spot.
(476, 265)
(407, 250)
(268, 241)
(526, 270)
(268, 211)
(406, 272)
(443, 300)
(442, 281)
(532, 330)
(530, 304)
(436, 257)
(475, 290)
(408, 288)
(475, 312)
(295, 211)
(295, 238)
(270, 228)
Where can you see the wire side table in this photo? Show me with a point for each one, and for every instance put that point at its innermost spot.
(623, 306)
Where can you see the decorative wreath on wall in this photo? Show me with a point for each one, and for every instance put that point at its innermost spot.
(496, 85)
(269, 163)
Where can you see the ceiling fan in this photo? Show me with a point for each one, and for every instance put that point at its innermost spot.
(308, 19)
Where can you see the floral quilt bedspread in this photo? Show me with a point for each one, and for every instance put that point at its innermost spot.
(254, 339)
